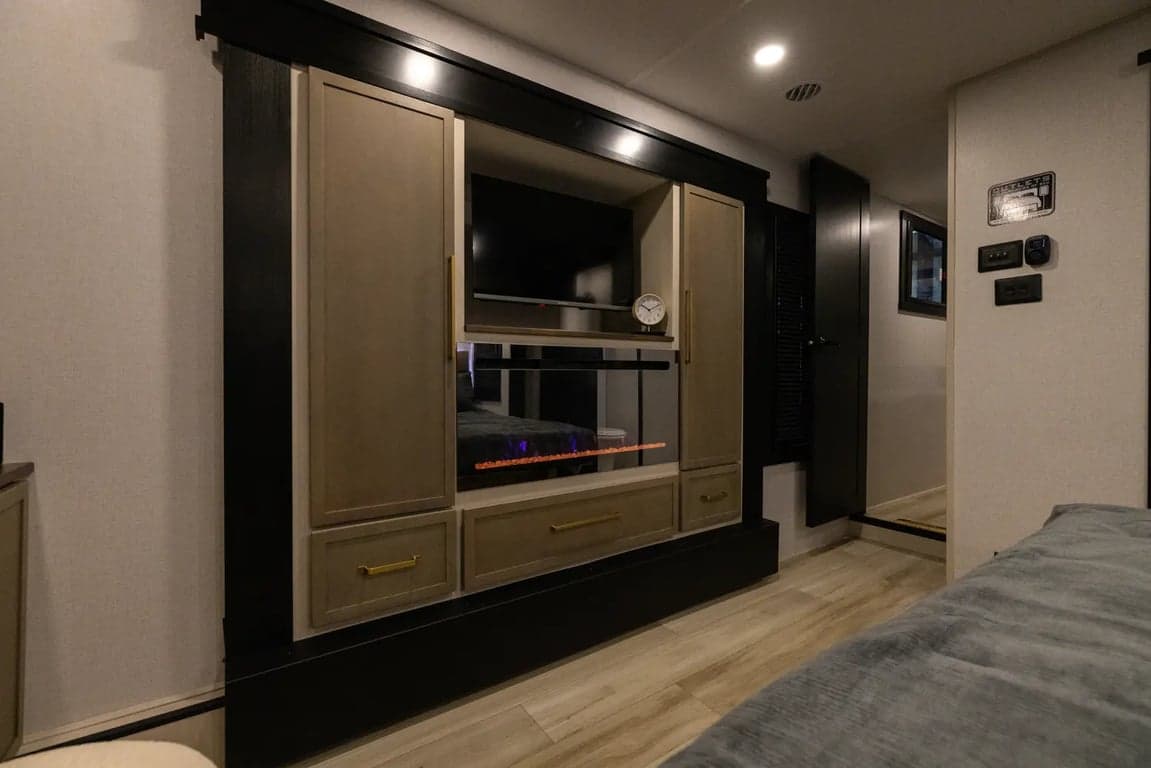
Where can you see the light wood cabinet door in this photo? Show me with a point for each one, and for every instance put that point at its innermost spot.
(380, 333)
(13, 502)
(370, 568)
(709, 497)
(711, 370)
(512, 541)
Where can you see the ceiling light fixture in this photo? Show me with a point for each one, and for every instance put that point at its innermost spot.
(769, 55)
(629, 145)
(420, 70)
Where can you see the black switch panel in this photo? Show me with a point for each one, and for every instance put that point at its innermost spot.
(1001, 256)
(1018, 290)
(1037, 251)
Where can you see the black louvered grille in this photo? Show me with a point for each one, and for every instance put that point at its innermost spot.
(793, 276)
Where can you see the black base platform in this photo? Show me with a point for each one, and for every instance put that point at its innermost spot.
(328, 690)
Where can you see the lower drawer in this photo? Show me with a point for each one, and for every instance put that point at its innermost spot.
(710, 497)
(511, 541)
(358, 570)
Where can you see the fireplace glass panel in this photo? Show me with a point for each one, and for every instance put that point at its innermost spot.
(527, 413)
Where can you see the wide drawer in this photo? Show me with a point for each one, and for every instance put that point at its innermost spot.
(358, 570)
(511, 541)
(710, 497)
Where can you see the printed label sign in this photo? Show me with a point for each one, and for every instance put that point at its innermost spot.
(1022, 199)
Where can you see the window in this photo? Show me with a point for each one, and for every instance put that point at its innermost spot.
(922, 266)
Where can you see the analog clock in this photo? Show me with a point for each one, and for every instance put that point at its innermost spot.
(649, 309)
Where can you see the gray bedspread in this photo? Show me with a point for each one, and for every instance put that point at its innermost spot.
(1041, 657)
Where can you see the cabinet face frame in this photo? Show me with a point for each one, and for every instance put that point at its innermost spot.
(14, 501)
(697, 299)
(319, 82)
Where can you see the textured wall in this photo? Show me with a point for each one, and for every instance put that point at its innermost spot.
(1048, 402)
(907, 366)
(110, 326)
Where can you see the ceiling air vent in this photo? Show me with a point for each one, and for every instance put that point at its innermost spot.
(803, 92)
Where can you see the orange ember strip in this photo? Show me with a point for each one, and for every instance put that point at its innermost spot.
(501, 463)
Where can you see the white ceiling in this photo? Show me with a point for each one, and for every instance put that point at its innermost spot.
(885, 65)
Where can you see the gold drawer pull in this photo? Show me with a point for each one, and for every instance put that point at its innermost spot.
(379, 570)
(708, 498)
(561, 527)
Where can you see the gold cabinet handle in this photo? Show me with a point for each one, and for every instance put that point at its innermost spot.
(561, 527)
(708, 498)
(450, 319)
(379, 570)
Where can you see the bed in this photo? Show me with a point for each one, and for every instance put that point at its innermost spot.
(1041, 657)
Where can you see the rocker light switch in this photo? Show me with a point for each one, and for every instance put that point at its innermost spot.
(1018, 290)
(1001, 256)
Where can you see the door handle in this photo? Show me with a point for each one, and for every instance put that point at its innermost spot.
(821, 341)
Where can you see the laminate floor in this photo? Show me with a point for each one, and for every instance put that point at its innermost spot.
(929, 509)
(639, 699)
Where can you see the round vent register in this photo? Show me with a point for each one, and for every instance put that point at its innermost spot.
(803, 92)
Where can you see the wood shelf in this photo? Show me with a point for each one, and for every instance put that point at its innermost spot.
(511, 330)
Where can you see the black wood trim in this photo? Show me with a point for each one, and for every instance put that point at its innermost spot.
(757, 366)
(341, 688)
(317, 33)
(1144, 57)
(891, 525)
(257, 353)
(145, 724)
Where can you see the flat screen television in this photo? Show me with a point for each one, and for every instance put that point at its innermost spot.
(532, 246)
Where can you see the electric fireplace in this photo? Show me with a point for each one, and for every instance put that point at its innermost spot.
(528, 413)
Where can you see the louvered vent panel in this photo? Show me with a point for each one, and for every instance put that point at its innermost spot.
(793, 276)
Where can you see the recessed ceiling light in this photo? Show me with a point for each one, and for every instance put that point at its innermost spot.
(769, 55)
(629, 145)
(419, 70)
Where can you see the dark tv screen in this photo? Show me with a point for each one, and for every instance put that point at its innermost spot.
(533, 246)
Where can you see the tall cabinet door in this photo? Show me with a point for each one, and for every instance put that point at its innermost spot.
(711, 343)
(380, 333)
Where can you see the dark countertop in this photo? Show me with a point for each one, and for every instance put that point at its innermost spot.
(14, 473)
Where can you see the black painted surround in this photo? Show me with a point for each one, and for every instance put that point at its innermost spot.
(287, 699)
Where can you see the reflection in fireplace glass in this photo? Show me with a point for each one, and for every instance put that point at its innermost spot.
(528, 413)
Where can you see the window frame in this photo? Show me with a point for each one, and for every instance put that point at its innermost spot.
(909, 223)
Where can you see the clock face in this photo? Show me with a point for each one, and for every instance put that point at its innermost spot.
(649, 309)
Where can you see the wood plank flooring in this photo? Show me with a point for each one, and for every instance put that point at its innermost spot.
(638, 700)
(928, 509)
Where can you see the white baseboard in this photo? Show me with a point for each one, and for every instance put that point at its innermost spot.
(93, 725)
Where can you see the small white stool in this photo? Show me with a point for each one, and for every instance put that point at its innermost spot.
(116, 754)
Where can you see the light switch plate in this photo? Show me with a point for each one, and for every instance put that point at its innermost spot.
(1026, 289)
(1001, 256)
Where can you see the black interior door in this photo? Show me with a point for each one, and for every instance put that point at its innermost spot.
(837, 349)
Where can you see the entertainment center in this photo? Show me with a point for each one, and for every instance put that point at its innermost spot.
(595, 437)
(486, 350)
